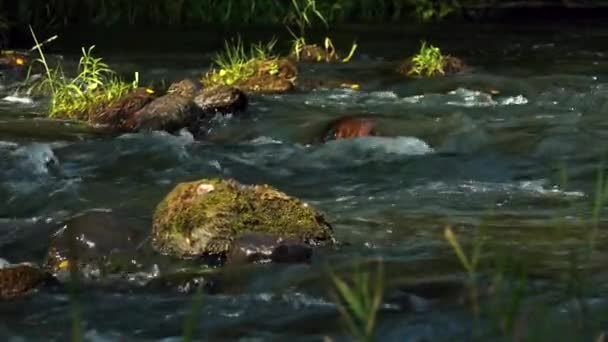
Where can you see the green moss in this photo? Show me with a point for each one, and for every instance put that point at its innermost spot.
(205, 216)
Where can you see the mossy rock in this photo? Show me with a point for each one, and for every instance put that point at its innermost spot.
(451, 65)
(204, 217)
(271, 76)
(20, 279)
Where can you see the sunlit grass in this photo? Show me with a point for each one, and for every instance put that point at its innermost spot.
(326, 53)
(359, 301)
(428, 61)
(94, 86)
(237, 63)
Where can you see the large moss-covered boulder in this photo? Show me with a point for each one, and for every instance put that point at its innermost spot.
(204, 217)
(17, 280)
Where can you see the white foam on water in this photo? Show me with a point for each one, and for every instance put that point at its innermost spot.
(18, 99)
(514, 100)
(389, 145)
(533, 188)
(36, 158)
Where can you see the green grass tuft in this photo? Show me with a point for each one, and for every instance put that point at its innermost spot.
(236, 63)
(428, 62)
(360, 302)
(94, 86)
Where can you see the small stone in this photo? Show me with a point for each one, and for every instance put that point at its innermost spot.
(20, 279)
(348, 127)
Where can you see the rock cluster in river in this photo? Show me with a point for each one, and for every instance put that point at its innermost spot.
(185, 105)
(209, 222)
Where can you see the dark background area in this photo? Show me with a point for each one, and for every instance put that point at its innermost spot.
(159, 20)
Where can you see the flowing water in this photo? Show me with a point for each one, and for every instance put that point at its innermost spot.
(509, 151)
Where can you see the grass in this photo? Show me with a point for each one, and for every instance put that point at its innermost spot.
(428, 62)
(94, 86)
(360, 302)
(237, 63)
(327, 53)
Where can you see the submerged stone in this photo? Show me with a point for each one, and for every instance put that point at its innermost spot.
(266, 248)
(204, 218)
(97, 244)
(221, 99)
(17, 280)
(349, 127)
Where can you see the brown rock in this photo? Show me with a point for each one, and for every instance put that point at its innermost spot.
(187, 88)
(221, 99)
(349, 127)
(119, 115)
(20, 279)
(171, 112)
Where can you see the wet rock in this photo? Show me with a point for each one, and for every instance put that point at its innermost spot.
(170, 112)
(348, 127)
(97, 244)
(119, 115)
(221, 99)
(265, 248)
(18, 280)
(204, 217)
(451, 65)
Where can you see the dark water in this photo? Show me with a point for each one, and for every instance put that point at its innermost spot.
(514, 147)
